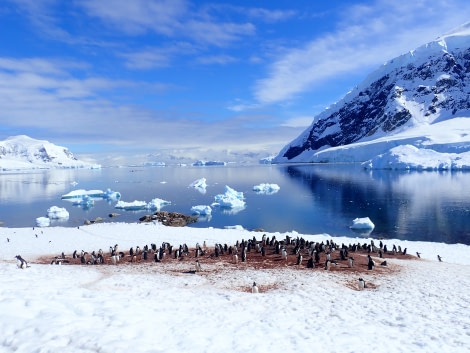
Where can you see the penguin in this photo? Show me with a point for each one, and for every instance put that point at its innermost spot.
(328, 256)
(284, 254)
(20, 262)
(198, 266)
(310, 263)
(418, 254)
(351, 262)
(299, 259)
(361, 284)
(74, 255)
(384, 263)
(114, 259)
(327, 265)
(235, 259)
(439, 258)
(370, 263)
(254, 288)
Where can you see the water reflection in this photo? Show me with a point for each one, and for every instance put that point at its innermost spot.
(428, 206)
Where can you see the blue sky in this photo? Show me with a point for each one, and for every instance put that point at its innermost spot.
(118, 80)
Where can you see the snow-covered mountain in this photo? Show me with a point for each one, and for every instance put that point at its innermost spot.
(419, 101)
(23, 153)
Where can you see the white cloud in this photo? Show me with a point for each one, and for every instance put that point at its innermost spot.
(301, 121)
(216, 59)
(367, 36)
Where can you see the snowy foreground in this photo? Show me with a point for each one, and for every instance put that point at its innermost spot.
(422, 307)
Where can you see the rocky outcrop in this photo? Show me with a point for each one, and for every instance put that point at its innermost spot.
(171, 219)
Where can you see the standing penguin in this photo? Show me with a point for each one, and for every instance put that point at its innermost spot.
(439, 258)
(370, 263)
(299, 259)
(20, 262)
(198, 266)
(310, 263)
(327, 265)
(254, 288)
(351, 262)
(235, 259)
(284, 254)
(361, 284)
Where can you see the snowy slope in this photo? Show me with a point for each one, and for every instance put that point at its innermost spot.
(418, 99)
(23, 153)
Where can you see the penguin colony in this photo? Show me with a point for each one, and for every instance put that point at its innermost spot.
(255, 253)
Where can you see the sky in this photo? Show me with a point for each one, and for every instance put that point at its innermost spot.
(122, 81)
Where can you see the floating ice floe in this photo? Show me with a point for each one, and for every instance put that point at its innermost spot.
(131, 206)
(43, 222)
(111, 195)
(77, 194)
(200, 185)
(362, 223)
(267, 189)
(231, 199)
(201, 210)
(55, 212)
(157, 204)
(84, 201)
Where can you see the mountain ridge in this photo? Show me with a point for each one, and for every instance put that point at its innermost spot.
(22, 152)
(425, 86)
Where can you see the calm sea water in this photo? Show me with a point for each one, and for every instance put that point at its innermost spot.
(425, 206)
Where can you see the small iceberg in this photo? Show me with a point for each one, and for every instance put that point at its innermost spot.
(230, 199)
(266, 189)
(78, 194)
(157, 204)
(199, 185)
(111, 195)
(131, 206)
(362, 224)
(43, 222)
(85, 202)
(57, 213)
(203, 210)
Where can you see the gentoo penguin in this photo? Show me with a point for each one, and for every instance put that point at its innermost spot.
(284, 254)
(327, 265)
(299, 259)
(418, 254)
(235, 259)
(439, 258)
(361, 284)
(254, 288)
(370, 263)
(20, 262)
(310, 263)
(198, 266)
(351, 262)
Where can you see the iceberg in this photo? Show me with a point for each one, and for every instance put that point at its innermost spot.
(131, 206)
(362, 223)
(267, 189)
(199, 185)
(208, 163)
(201, 210)
(43, 222)
(111, 195)
(86, 201)
(230, 199)
(78, 194)
(57, 213)
(157, 204)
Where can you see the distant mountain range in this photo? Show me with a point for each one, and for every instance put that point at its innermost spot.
(419, 102)
(24, 153)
